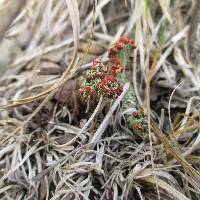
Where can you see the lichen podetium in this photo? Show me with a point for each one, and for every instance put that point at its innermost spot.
(107, 80)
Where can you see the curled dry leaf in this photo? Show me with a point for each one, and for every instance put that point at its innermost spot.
(69, 95)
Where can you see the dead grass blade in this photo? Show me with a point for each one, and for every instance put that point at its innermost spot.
(169, 189)
(169, 149)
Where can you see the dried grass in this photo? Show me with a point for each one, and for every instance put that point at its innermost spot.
(43, 156)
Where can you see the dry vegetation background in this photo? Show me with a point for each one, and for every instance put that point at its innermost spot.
(53, 151)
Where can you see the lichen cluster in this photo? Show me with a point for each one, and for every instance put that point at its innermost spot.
(137, 121)
(101, 81)
(107, 80)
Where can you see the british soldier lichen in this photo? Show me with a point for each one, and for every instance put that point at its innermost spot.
(121, 50)
(107, 80)
(101, 81)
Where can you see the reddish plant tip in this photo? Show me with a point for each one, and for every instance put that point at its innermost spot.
(119, 90)
(133, 44)
(121, 68)
(108, 78)
(112, 51)
(129, 41)
(87, 88)
(112, 91)
(81, 92)
(114, 67)
(98, 75)
(136, 126)
(142, 112)
(114, 73)
(104, 89)
(96, 89)
(119, 45)
(115, 60)
(91, 94)
(125, 40)
(135, 114)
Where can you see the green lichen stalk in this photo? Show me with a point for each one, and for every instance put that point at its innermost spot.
(137, 119)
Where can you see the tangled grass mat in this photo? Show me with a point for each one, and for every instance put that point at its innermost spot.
(56, 145)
